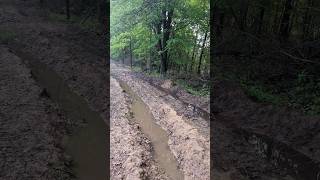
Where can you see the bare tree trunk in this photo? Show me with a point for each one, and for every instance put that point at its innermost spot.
(123, 56)
(166, 22)
(243, 14)
(68, 9)
(130, 52)
(285, 21)
(194, 51)
(201, 54)
(150, 56)
(307, 20)
(275, 26)
(261, 16)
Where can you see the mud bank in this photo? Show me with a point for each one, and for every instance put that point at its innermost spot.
(178, 92)
(131, 151)
(291, 139)
(31, 126)
(189, 147)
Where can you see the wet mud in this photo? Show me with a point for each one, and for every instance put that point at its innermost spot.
(88, 141)
(158, 137)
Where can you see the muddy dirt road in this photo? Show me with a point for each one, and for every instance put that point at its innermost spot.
(55, 104)
(177, 144)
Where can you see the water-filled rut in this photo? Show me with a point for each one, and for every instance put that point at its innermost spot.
(87, 146)
(158, 137)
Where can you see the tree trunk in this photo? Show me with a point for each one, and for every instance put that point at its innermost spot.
(201, 54)
(130, 52)
(193, 51)
(68, 9)
(285, 21)
(260, 22)
(275, 26)
(166, 24)
(243, 15)
(123, 56)
(307, 20)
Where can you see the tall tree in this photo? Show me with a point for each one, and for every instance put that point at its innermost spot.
(285, 21)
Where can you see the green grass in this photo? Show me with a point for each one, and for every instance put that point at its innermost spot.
(301, 98)
(136, 68)
(203, 91)
(260, 94)
(6, 36)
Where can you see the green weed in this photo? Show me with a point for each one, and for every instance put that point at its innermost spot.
(6, 36)
(200, 91)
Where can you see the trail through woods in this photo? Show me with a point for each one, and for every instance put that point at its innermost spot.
(34, 123)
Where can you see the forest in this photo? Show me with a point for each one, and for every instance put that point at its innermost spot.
(91, 14)
(271, 48)
(165, 38)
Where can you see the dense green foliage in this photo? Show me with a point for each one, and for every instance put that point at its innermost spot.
(272, 47)
(170, 37)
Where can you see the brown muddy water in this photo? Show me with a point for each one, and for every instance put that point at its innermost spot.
(158, 137)
(87, 145)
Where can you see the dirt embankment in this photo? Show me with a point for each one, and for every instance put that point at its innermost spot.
(31, 126)
(286, 138)
(177, 91)
(189, 146)
(290, 126)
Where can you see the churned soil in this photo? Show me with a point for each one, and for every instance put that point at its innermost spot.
(190, 148)
(130, 150)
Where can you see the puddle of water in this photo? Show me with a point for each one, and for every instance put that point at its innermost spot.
(155, 133)
(88, 144)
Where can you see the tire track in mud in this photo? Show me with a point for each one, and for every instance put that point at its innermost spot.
(131, 150)
(86, 145)
(158, 137)
(31, 126)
